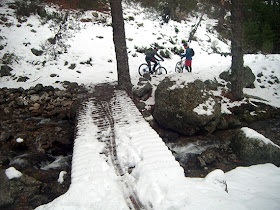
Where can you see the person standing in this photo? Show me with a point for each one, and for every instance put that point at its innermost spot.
(188, 55)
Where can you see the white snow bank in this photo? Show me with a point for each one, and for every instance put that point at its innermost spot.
(256, 187)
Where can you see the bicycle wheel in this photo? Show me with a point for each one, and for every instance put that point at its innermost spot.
(160, 70)
(143, 68)
(179, 67)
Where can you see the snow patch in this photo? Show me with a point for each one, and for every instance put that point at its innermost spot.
(61, 177)
(12, 173)
(206, 108)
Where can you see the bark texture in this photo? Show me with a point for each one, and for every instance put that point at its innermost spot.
(124, 81)
(237, 49)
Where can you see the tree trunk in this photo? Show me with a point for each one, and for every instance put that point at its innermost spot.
(237, 50)
(124, 81)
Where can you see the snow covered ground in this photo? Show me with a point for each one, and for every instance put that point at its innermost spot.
(256, 187)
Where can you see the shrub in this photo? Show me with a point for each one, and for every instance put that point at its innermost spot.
(27, 8)
(140, 49)
(9, 58)
(165, 54)
(177, 51)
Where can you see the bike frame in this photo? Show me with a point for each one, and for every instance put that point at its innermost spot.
(152, 65)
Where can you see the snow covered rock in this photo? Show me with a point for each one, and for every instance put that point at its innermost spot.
(186, 108)
(217, 179)
(255, 148)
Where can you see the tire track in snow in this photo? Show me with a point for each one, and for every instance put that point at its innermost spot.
(102, 116)
(132, 148)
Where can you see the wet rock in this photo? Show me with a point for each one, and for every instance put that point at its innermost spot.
(209, 156)
(11, 190)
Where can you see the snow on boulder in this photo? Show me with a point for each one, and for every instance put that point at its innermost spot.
(255, 148)
(186, 107)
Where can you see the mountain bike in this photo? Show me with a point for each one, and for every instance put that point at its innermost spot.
(144, 68)
(180, 66)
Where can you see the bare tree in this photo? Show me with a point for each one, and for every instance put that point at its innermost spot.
(124, 81)
(237, 69)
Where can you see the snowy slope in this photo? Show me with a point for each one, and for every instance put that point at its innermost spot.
(92, 41)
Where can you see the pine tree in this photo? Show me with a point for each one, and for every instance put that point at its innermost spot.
(124, 81)
(237, 68)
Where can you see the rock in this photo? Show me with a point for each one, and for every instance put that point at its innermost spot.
(11, 190)
(4, 136)
(212, 85)
(225, 75)
(5, 71)
(254, 148)
(45, 97)
(34, 98)
(38, 200)
(186, 109)
(223, 124)
(37, 52)
(72, 66)
(147, 76)
(248, 77)
(141, 106)
(209, 156)
(22, 79)
(38, 88)
(35, 107)
(141, 91)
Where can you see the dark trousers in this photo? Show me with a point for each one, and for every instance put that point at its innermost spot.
(149, 60)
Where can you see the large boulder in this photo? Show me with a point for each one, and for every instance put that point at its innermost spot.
(254, 148)
(186, 108)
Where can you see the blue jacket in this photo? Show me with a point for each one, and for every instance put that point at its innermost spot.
(187, 54)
